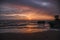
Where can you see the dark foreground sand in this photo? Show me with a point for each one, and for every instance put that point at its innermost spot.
(47, 35)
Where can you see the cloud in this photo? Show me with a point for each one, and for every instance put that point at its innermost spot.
(27, 6)
(49, 5)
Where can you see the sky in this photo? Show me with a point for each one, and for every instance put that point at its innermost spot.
(29, 9)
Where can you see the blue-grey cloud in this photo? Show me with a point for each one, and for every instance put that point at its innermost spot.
(49, 5)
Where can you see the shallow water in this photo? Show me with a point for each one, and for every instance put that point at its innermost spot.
(29, 28)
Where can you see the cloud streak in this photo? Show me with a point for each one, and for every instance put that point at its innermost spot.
(46, 7)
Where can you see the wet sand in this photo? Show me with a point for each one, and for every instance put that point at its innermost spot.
(46, 35)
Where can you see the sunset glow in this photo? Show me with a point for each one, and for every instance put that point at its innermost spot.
(26, 13)
(29, 16)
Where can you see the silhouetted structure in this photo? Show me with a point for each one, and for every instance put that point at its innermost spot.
(41, 22)
(55, 23)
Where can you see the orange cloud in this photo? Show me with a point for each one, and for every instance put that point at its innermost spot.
(30, 13)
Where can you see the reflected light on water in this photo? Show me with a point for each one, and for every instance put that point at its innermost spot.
(31, 29)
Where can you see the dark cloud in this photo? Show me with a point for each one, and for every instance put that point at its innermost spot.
(51, 6)
(48, 5)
